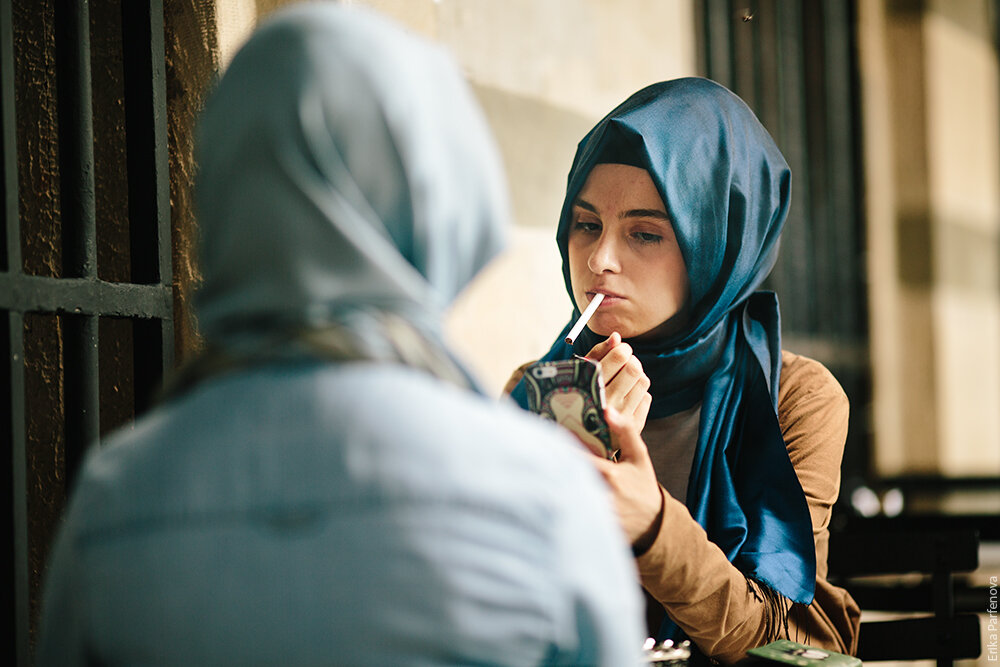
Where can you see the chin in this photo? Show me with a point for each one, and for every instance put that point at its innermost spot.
(601, 327)
(628, 334)
(605, 330)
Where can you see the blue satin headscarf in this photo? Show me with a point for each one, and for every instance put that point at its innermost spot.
(726, 188)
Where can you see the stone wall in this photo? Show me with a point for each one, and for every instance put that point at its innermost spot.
(930, 112)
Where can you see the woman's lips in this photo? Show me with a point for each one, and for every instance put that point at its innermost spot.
(610, 298)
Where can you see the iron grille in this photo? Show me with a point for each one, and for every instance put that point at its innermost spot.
(94, 329)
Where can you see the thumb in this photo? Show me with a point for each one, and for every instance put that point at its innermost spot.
(599, 351)
(624, 437)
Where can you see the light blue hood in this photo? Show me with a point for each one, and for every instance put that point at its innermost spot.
(343, 166)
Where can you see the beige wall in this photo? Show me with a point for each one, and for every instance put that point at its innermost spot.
(930, 112)
(544, 71)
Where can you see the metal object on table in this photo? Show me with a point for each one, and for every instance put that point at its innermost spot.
(666, 652)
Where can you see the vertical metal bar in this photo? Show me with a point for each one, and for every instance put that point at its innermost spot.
(785, 120)
(814, 124)
(19, 493)
(158, 78)
(76, 139)
(10, 259)
(701, 41)
(158, 93)
(817, 122)
(779, 277)
(839, 234)
(943, 596)
(795, 271)
(719, 52)
(743, 60)
(79, 225)
(844, 232)
(9, 633)
(766, 61)
(17, 587)
(769, 97)
(166, 346)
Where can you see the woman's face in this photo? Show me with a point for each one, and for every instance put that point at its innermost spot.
(622, 245)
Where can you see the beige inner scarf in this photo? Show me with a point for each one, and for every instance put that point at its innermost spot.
(671, 442)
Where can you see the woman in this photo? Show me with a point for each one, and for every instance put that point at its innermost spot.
(673, 211)
(325, 485)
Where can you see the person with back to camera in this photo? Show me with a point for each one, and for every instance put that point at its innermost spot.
(324, 484)
(673, 211)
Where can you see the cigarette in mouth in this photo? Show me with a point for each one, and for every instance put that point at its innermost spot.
(584, 318)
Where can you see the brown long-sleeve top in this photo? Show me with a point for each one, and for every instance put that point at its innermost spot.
(708, 597)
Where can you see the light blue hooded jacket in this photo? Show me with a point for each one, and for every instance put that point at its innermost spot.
(347, 502)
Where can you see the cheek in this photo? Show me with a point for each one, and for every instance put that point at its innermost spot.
(678, 280)
(573, 254)
(577, 264)
(670, 273)
(667, 287)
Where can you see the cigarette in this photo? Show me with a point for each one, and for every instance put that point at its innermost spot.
(584, 318)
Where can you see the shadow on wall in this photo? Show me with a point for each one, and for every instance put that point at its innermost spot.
(511, 312)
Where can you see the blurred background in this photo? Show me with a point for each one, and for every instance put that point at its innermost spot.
(887, 111)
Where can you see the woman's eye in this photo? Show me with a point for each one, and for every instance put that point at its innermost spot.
(585, 226)
(646, 238)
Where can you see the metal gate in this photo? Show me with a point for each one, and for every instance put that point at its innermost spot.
(86, 301)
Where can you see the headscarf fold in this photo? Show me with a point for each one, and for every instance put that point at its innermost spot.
(726, 188)
(345, 172)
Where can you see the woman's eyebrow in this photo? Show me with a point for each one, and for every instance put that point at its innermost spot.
(646, 213)
(631, 213)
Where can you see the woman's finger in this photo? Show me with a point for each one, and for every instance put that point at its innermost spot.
(633, 400)
(616, 360)
(625, 438)
(599, 351)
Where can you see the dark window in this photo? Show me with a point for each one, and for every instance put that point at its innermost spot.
(794, 62)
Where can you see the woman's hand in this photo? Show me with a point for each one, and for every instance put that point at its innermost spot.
(626, 386)
(638, 498)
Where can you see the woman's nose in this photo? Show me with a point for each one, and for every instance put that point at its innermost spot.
(604, 256)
